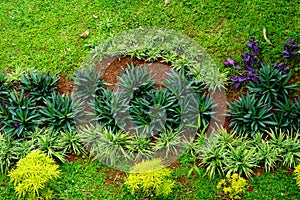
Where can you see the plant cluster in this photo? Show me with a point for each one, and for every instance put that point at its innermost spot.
(249, 70)
(36, 103)
(150, 177)
(266, 105)
(145, 107)
(33, 175)
(233, 186)
(227, 153)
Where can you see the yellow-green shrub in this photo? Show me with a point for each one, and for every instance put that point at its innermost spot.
(150, 177)
(297, 173)
(32, 176)
(233, 186)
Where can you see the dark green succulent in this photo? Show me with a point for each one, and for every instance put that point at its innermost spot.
(250, 115)
(39, 85)
(18, 115)
(272, 85)
(288, 114)
(86, 83)
(59, 112)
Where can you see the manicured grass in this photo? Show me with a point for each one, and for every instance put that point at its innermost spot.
(45, 34)
(87, 180)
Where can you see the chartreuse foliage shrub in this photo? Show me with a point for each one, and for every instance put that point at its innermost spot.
(297, 174)
(150, 177)
(233, 186)
(33, 174)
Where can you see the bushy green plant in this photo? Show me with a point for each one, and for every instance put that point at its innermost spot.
(216, 149)
(18, 115)
(33, 175)
(213, 157)
(267, 154)
(272, 85)
(233, 186)
(288, 146)
(7, 155)
(50, 143)
(241, 160)
(105, 145)
(140, 146)
(60, 111)
(168, 142)
(39, 84)
(288, 114)
(71, 142)
(250, 115)
(150, 177)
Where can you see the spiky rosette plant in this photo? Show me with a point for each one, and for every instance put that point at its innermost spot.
(39, 85)
(86, 83)
(60, 110)
(18, 115)
(287, 114)
(272, 86)
(250, 115)
(106, 146)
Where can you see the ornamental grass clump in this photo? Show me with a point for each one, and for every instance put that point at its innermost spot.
(233, 186)
(150, 177)
(33, 175)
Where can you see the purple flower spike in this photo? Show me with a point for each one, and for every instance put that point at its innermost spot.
(238, 80)
(231, 62)
(16, 125)
(290, 48)
(3, 103)
(280, 67)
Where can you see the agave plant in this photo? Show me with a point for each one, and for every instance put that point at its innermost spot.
(39, 85)
(272, 85)
(86, 83)
(248, 114)
(18, 115)
(59, 112)
(102, 110)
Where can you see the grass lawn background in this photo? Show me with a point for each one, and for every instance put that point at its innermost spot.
(44, 35)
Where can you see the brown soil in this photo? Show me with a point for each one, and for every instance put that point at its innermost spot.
(158, 70)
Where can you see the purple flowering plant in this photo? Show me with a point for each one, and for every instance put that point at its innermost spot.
(248, 71)
(251, 63)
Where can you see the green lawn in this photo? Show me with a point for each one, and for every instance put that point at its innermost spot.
(45, 34)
